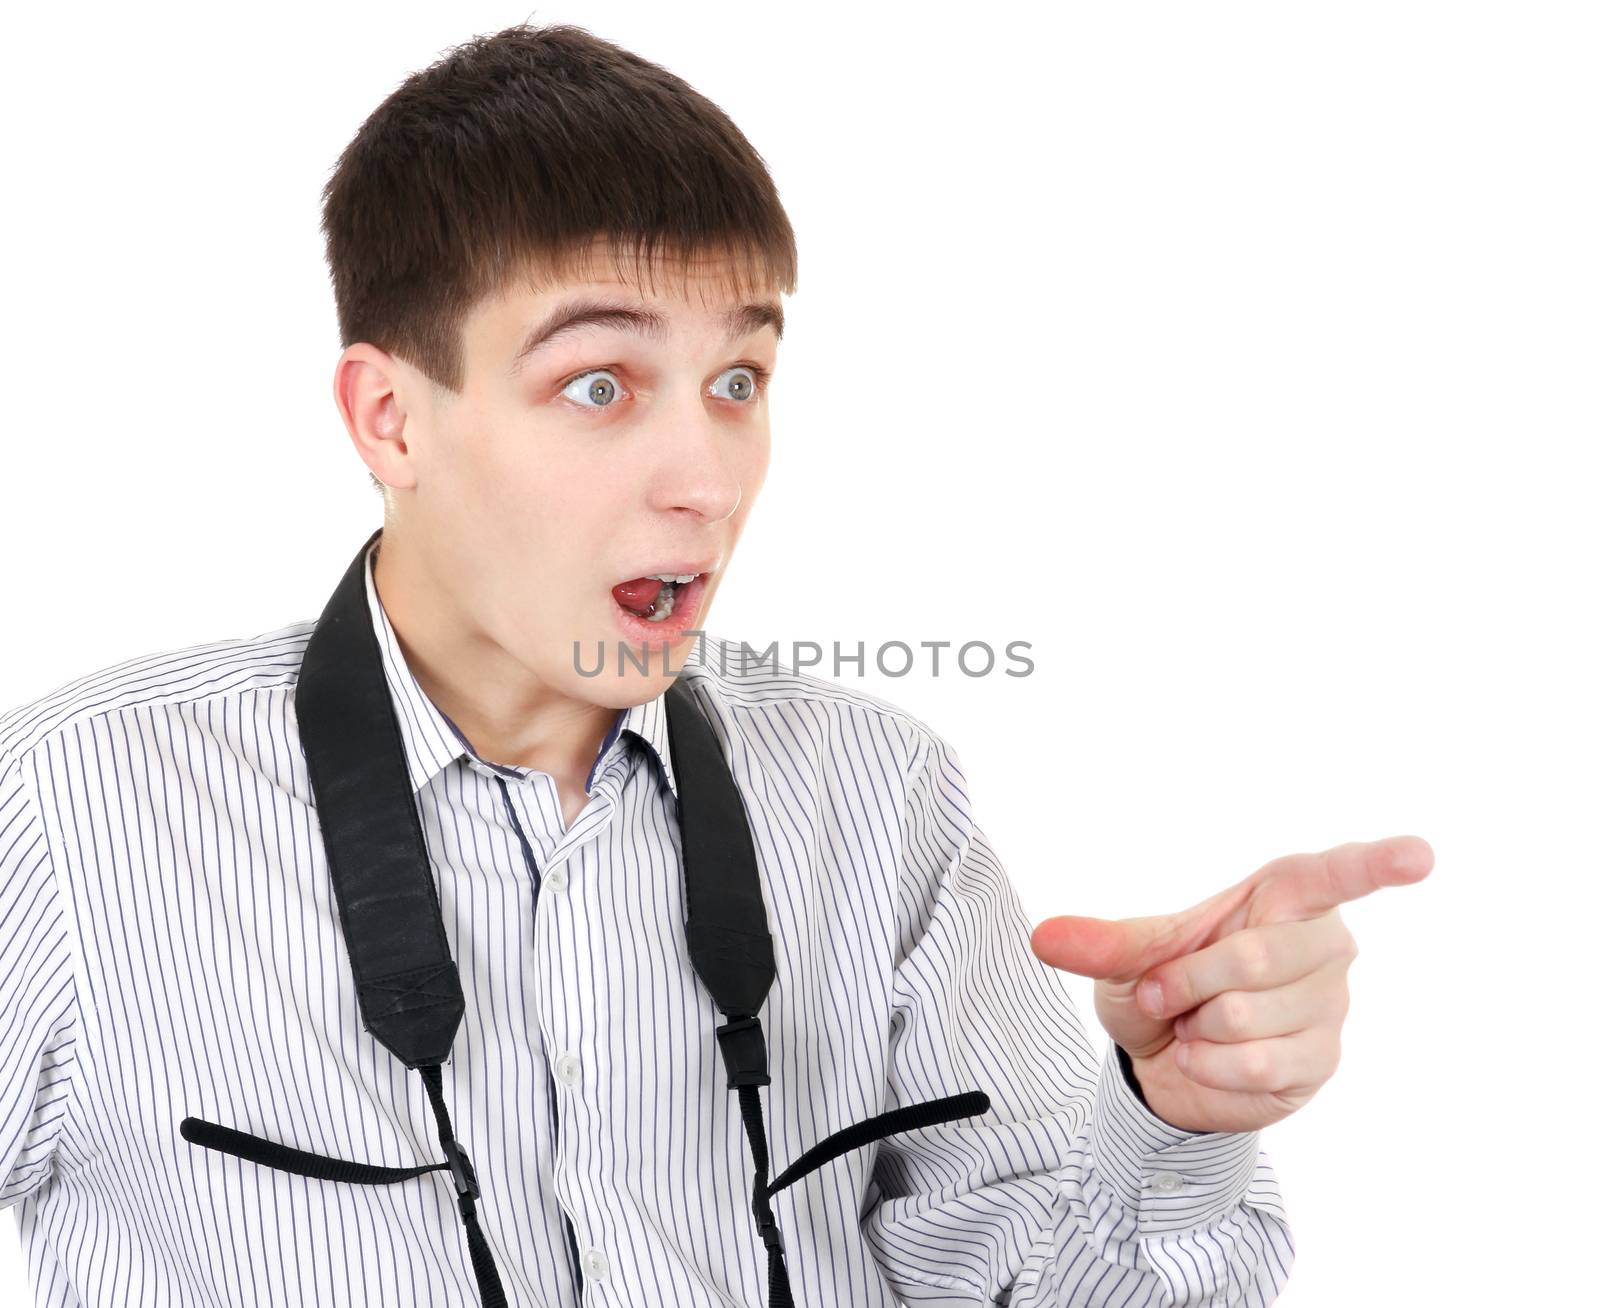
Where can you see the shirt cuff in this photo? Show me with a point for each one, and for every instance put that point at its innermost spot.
(1170, 1178)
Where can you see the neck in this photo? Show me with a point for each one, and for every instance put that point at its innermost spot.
(508, 714)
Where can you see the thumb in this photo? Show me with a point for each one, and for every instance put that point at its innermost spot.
(1098, 947)
(1126, 948)
(1116, 954)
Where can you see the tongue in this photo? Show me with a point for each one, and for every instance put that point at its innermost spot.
(637, 595)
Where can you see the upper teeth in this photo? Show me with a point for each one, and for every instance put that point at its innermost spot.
(675, 578)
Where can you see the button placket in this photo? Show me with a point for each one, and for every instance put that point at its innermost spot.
(568, 1067)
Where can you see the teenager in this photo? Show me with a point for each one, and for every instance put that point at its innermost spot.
(654, 924)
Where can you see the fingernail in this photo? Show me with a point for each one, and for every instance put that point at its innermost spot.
(1150, 997)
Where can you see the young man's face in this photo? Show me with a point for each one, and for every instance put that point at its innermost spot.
(571, 469)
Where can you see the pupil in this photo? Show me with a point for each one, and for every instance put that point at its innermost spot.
(600, 391)
(739, 385)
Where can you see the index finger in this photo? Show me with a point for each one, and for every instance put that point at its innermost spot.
(1299, 886)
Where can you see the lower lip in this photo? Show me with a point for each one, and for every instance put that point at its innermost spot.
(685, 609)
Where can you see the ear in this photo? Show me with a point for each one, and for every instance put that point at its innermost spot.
(371, 389)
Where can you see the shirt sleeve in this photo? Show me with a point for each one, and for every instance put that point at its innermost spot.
(38, 1003)
(1069, 1190)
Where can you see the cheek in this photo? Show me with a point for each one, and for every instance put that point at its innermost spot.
(754, 459)
(478, 462)
(582, 502)
(510, 473)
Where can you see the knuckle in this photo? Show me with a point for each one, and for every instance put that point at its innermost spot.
(1177, 992)
(1255, 1066)
(1169, 934)
(1345, 942)
(1342, 947)
(1335, 1051)
(1233, 1013)
(1254, 962)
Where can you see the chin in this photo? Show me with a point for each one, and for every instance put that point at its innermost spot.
(632, 673)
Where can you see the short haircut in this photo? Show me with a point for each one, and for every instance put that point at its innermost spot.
(505, 159)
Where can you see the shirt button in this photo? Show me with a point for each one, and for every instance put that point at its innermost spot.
(595, 1264)
(556, 878)
(1166, 1182)
(569, 1068)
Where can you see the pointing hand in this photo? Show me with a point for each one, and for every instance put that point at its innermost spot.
(1231, 1010)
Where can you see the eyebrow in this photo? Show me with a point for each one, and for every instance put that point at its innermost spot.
(572, 317)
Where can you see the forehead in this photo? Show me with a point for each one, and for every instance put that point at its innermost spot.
(697, 289)
(715, 297)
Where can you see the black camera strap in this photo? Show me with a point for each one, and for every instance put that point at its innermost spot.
(408, 986)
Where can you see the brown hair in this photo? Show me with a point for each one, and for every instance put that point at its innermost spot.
(507, 158)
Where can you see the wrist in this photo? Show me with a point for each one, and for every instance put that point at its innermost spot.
(1131, 1076)
(1144, 1076)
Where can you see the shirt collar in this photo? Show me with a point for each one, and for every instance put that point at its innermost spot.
(648, 722)
(432, 741)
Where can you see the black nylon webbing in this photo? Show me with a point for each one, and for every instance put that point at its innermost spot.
(779, 1294)
(729, 944)
(913, 1117)
(284, 1158)
(490, 1291)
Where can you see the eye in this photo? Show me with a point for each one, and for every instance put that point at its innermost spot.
(747, 381)
(595, 389)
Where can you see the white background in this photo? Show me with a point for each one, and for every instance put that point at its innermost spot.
(1242, 358)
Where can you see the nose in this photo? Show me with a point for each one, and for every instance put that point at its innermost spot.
(701, 470)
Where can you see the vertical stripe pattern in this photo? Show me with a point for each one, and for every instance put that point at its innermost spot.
(169, 947)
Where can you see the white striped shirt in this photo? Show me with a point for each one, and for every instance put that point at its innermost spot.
(169, 947)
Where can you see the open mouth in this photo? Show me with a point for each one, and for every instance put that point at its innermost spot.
(658, 606)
